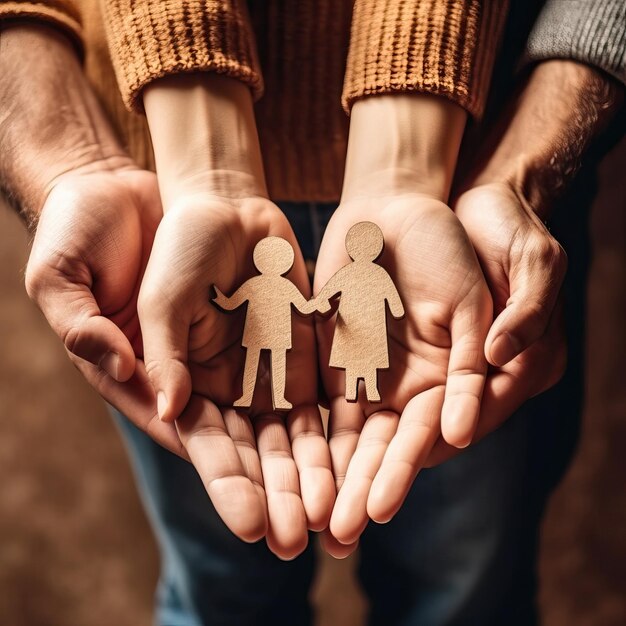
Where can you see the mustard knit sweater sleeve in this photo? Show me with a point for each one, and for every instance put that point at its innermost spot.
(443, 47)
(149, 39)
(63, 14)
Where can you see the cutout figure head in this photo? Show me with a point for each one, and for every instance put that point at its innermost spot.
(273, 256)
(364, 242)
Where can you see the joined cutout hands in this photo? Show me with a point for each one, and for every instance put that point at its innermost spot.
(360, 340)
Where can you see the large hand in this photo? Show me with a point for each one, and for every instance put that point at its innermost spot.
(92, 242)
(524, 267)
(255, 464)
(437, 367)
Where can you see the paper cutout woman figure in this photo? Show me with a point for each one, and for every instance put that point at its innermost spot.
(268, 318)
(360, 339)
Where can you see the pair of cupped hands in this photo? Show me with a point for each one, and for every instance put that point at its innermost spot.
(127, 287)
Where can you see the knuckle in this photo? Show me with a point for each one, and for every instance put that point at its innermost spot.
(154, 368)
(156, 303)
(147, 294)
(35, 280)
(149, 300)
(71, 338)
(549, 253)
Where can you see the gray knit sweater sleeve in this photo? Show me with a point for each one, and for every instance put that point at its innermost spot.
(590, 31)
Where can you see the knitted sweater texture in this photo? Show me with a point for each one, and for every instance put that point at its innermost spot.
(590, 31)
(305, 62)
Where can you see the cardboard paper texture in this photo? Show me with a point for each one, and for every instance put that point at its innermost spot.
(268, 318)
(360, 340)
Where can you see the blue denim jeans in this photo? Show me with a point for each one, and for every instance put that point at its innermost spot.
(461, 551)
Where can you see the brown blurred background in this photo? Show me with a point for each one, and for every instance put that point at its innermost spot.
(75, 547)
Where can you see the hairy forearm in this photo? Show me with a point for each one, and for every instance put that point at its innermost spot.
(401, 143)
(204, 136)
(538, 146)
(50, 121)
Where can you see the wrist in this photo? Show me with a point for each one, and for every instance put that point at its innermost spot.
(538, 147)
(204, 136)
(403, 143)
(54, 124)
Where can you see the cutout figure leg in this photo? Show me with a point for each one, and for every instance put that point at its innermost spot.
(249, 377)
(371, 387)
(279, 372)
(352, 386)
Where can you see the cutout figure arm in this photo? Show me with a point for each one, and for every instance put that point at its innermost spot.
(229, 303)
(432, 385)
(333, 287)
(212, 185)
(393, 300)
(315, 305)
(302, 305)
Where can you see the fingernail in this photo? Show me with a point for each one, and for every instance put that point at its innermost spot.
(110, 363)
(161, 403)
(504, 348)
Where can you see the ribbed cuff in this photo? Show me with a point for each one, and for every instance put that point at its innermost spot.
(589, 31)
(149, 40)
(61, 14)
(441, 47)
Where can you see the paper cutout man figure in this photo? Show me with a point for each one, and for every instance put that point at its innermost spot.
(360, 339)
(268, 318)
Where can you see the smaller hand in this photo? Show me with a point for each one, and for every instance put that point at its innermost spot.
(436, 364)
(266, 474)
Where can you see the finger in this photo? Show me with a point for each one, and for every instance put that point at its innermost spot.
(74, 315)
(135, 399)
(535, 370)
(416, 434)
(213, 453)
(534, 288)
(312, 457)
(165, 344)
(350, 517)
(467, 369)
(241, 432)
(333, 547)
(345, 423)
(503, 394)
(287, 534)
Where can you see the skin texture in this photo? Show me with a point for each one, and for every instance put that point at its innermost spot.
(96, 216)
(93, 211)
(533, 153)
(267, 473)
(40, 142)
(101, 222)
(437, 367)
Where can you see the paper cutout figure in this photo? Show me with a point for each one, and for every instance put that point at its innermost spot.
(360, 339)
(268, 318)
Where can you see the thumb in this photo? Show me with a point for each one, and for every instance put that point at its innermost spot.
(534, 288)
(74, 315)
(165, 338)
